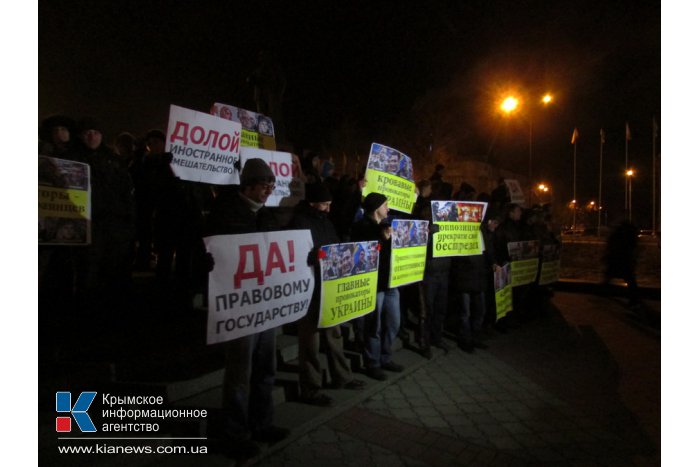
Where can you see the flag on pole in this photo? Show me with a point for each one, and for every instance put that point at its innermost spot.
(574, 137)
(602, 136)
(655, 127)
(628, 134)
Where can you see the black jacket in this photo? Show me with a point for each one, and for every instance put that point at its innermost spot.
(307, 217)
(230, 214)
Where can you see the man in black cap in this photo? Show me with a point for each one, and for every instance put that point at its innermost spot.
(249, 374)
(312, 214)
(382, 325)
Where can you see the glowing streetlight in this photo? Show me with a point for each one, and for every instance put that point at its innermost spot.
(509, 104)
(547, 99)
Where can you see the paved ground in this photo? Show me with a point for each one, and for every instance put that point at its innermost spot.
(580, 387)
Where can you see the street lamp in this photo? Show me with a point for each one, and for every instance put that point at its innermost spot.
(629, 174)
(509, 105)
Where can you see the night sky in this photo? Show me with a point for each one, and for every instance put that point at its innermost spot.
(406, 74)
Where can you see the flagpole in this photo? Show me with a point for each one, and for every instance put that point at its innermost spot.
(655, 130)
(627, 139)
(600, 178)
(575, 139)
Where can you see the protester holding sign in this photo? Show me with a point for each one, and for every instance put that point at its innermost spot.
(382, 325)
(312, 214)
(390, 173)
(249, 373)
(433, 292)
(513, 231)
(105, 266)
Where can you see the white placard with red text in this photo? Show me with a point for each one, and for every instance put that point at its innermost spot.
(205, 148)
(259, 281)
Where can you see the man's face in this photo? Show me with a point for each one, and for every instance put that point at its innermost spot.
(91, 138)
(383, 211)
(247, 120)
(392, 164)
(516, 213)
(225, 112)
(346, 262)
(362, 256)
(60, 134)
(155, 145)
(259, 192)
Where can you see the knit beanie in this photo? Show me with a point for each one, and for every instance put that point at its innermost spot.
(372, 202)
(256, 171)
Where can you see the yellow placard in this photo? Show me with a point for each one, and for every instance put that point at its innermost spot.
(63, 202)
(524, 271)
(401, 193)
(347, 298)
(457, 239)
(504, 301)
(549, 273)
(407, 265)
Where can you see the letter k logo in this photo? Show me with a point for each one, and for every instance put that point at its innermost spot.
(78, 411)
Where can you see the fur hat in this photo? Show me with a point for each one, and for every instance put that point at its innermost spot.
(256, 171)
(53, 121)
(318, 193)
(372, 202)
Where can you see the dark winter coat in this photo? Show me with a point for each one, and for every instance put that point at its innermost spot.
(307, 217)
(467, 274)
(112, 194)
(508, 231)
(232, 215)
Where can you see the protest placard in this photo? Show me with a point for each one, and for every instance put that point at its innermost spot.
(259, 281)
(390, 173)
(348, 281)
(64, 202)
(504, 290)
(459, 223)
(549, 268)
(204, 148)
(516, 193)
(409, 246)
(257, 129)
(524, 261)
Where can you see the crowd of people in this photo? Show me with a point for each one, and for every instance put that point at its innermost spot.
(144, 218)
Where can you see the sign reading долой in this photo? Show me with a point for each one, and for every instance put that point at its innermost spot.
(459, 223)
(524, 261)
(409, 245)
(390, 173)
(259, 281)
(348, 281)
(204, 148)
